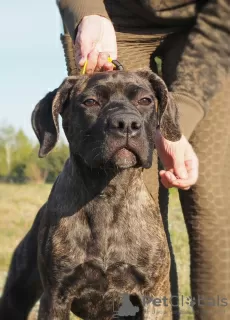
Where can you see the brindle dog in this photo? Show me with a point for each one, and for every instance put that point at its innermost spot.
(99, 237)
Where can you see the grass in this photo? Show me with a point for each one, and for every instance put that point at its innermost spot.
(20, 203)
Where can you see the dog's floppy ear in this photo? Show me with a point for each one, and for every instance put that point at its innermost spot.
(168, 117)
(45, 115)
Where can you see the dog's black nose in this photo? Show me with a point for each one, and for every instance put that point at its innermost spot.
(124, 124)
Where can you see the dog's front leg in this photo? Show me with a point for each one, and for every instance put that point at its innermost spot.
(157, 312)
(154, 313)
(53, 307)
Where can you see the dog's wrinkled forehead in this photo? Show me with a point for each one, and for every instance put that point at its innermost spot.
(117, 82)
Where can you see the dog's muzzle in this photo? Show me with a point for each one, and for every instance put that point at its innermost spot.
(124, 131)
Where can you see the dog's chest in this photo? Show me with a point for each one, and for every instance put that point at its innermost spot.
(110, 231)
(115, 234)
(112, 243)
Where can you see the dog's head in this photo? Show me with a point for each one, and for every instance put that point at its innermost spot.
(109, 118)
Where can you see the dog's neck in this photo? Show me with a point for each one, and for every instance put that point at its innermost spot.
(78, 185)
(100, 180)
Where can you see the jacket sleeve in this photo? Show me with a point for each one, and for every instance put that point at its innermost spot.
(204, 65)
(72, 11)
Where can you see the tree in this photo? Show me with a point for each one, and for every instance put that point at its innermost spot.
(7, 134)
(21, 155)
(19, 160)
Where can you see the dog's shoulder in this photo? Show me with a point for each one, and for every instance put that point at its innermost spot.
(62, 192)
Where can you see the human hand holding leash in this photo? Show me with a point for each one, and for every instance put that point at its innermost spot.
(95, 42)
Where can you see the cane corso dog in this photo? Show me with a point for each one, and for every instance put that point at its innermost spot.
(97, 247)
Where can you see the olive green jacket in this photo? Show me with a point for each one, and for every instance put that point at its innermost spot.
(205, 62)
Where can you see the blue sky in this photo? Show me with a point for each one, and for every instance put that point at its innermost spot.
(31, 58)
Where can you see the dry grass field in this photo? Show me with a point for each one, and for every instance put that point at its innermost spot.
(19, 205)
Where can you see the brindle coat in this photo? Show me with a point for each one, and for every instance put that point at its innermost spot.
(100, 234)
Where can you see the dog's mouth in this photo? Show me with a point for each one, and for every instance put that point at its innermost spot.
(114, 153)
(125, 158)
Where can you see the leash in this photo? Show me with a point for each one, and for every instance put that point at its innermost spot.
(116, 64)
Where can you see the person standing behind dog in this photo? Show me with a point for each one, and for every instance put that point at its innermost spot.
(192, 39)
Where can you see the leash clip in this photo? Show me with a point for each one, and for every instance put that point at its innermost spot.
(116, 64)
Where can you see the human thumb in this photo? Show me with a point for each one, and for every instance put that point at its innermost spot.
(179, 167)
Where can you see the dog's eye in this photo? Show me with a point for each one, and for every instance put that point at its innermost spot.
(90, 103)
(144, 101)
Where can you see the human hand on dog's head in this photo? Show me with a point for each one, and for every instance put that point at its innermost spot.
(109, 118)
